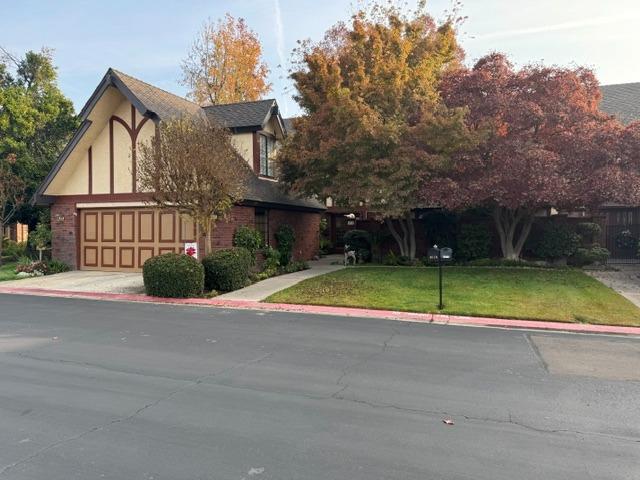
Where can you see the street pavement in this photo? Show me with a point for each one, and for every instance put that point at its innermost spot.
(94, 389)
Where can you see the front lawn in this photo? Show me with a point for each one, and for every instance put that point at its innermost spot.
(564, 295)
(8, 271)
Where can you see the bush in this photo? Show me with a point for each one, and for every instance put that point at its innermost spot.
(227, 270)
(37, 268)
(40, 238)
(502, 262)
(390, 258)
(589, 231)
(589, 256)
(13, 250)
(173, 275)
(56, 266)
(249, 238)
(557, 241)
(360, 242)
(271, 259)
(474, 242)
(286, 238)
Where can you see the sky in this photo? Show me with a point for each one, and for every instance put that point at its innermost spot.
(149, 38)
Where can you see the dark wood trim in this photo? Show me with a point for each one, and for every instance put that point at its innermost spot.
(90, 160)
(173, 229)
(102, 237)
(84, 226)
(102, 262)
(133, 257)
(84, 259)
(163, 250)
(111, 158)
(133, 231)
(153, 226)
(140, 250)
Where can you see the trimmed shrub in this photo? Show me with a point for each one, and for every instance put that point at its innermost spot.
(474, 242)
(13, 250)
(32, 268)
(589, 256)
(271, 259)
(227, 270)
(360, 241)
(286, 238)
(249, 238)
(173, 275)
(56, 266)
(556, 241)
(589, 231)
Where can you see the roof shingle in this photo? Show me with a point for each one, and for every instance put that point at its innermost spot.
(239, 115)
(622, 101)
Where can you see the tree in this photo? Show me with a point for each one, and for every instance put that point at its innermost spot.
(40, 238)
(373, 126)
(225, 64)
(36, 119)
(11, 194)
(544, 144)
(192, 166)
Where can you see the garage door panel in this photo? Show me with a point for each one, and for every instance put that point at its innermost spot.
(126, 257)
(167, 227)
(108, 225)
(146, 224)
(127, 226)
(144, 254)
(187, 229)
(108, 257)
(90, 227)
(91, 256)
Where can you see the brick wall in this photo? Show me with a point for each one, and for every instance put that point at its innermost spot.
(223, 232)
(306, 226)
(65, 232)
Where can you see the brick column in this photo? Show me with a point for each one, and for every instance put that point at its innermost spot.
(65, 232)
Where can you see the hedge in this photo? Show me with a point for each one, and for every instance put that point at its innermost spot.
(227, 270)
(173, 275)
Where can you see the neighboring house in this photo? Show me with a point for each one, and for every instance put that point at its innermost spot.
(17, 232)
(99, 218)
(621, 232)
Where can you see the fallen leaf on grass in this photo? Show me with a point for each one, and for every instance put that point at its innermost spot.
(447, 421)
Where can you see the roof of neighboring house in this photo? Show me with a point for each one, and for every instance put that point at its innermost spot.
(288, 124)
(242, 114)
(622, 101)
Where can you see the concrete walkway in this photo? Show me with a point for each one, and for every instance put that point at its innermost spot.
(261, 290)
(84, 281)
(625, 281)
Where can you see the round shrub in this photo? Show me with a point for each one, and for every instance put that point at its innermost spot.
(473, 242)
(173, 275)
(360, 241)
(227, 270)
(249, 238)
(286, 238)
(589, 231)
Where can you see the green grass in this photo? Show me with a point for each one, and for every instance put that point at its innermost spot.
(564, 295)
(8, 271)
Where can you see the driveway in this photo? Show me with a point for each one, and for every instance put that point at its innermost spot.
(625, 280)
(84, 281)
(114, 390)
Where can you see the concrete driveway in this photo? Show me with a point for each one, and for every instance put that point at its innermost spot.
(625, 280)
(83, 281)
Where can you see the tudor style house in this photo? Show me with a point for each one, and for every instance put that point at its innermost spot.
(99, 218)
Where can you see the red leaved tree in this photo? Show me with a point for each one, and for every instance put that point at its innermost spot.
(545, 144)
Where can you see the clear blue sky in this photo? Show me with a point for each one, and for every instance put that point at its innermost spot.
(148, 38)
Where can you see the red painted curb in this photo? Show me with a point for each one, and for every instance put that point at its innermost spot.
(338, 311)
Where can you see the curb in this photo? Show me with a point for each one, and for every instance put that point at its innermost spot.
(434, 318)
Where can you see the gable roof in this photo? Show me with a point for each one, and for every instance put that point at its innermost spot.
(622, 101)
(242, 114)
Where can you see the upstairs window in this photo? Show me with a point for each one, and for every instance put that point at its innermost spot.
(267, 148)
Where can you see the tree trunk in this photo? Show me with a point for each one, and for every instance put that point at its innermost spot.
(513, 228)
(1, 240)
(406, 239)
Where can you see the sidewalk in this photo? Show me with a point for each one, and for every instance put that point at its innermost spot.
(261, 290)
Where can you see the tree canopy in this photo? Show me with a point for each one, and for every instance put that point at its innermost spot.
(225, 64)
(36, 119)
(545, 143)
(373, 125)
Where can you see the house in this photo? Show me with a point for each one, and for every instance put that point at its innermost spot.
(621, 223)
(17, 232)
(99, 218)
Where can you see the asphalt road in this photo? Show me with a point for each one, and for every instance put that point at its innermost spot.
(92, 390)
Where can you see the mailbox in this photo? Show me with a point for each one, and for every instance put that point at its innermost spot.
(434, 254)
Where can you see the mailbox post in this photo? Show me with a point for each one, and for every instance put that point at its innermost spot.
(440, 255)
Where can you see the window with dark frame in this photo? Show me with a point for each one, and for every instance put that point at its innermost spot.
(262, 223)
(267, 146)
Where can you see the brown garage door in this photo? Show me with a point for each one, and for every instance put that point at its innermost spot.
(123, 239)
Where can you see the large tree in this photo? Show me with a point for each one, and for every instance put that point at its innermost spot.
(192, 166)
(545, 144)
(225, 64)
(11, 193)
(36, 119)
(373, 126)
